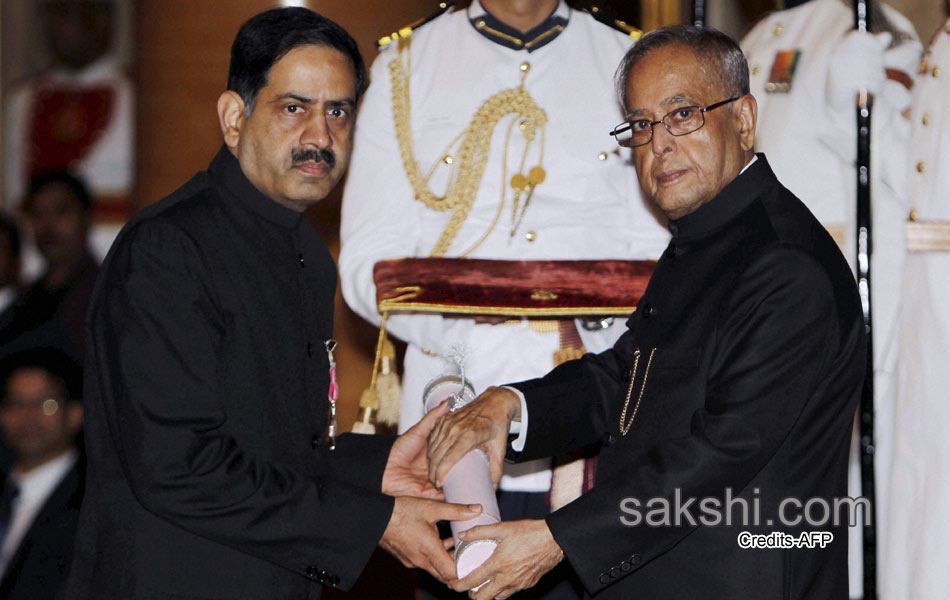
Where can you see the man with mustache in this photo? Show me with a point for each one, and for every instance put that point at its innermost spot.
(214, 466)
(299, 157)
(737, 378)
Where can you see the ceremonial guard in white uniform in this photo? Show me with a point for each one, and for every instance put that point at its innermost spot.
(916, 556)
(806, 65)
(477, 140)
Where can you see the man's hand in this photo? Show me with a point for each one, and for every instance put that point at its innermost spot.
(481, 424)
(407, 469)
(413, 538)
(526, 551)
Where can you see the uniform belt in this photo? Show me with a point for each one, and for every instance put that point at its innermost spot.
(927, 236)
(539, 325)
(922, 236)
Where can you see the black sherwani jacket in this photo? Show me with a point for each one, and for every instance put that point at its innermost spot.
(206, 409)
(39, 566)
(743, 365)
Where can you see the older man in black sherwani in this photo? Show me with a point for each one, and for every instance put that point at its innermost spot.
(738, 377)
(212, 467)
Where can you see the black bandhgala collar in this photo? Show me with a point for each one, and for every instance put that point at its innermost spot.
(726, 206)
(226, 169)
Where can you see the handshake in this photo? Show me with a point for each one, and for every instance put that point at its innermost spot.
(418, 464)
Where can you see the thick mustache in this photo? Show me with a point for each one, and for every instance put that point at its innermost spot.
(298, 157)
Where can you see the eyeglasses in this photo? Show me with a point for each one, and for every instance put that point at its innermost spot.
(681, 121)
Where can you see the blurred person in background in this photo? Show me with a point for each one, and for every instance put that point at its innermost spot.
(807, 64)
(51, 311)
(9, 261)
(40, 418)
(916, 556)
(78, 114)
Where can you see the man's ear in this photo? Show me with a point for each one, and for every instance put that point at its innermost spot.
(746, 115)
(231, 117)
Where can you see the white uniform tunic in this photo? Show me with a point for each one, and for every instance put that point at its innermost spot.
(812, 145)
(916, 557)
(588, 207)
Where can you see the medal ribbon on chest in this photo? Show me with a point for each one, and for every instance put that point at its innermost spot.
(783, 70)
(333, 393)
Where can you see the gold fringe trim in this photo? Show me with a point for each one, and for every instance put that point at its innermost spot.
(572, 311)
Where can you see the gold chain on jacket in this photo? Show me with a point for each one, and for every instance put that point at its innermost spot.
(468, 162)
(624, 424)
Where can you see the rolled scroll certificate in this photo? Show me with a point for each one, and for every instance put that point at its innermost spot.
(469, 481)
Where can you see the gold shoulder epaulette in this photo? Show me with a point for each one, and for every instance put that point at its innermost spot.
(609, 21)
(405, 32)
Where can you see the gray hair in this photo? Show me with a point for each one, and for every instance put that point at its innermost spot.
(720, 56)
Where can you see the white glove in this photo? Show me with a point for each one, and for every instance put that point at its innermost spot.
(857, 63)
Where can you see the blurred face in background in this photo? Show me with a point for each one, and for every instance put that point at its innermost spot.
(60, 224)
(78, 31)
(38, 420)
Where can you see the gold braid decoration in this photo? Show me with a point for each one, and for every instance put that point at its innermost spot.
(468, 163)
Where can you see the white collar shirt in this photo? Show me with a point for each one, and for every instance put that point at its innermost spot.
(35, 486)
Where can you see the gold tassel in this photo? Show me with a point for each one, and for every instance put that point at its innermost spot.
(381, 398)
(388, 388)
(368, 404)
